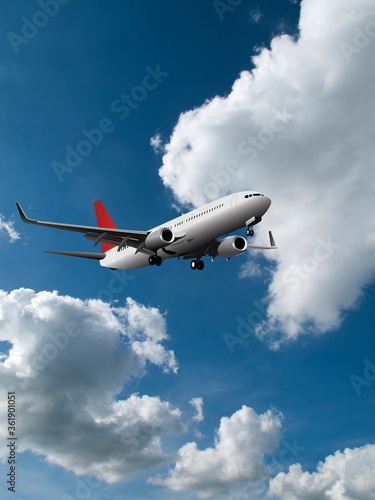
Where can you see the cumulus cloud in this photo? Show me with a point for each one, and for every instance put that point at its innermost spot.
(156, 143)
(298, 127)
(8, 227)
(146, 330)
(255, 15)
(69, 360)
(343, 476)
(252, 270)
(197, 404)
(241, 442)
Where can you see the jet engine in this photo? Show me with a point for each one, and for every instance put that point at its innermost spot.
(232, 246)
(159, 238)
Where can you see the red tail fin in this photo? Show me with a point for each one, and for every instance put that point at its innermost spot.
(104, 220)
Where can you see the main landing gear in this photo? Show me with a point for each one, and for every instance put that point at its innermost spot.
(155, 260)
(250, 231)
(197, 264)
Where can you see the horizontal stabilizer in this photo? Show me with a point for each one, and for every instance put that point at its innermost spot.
(85, 255)
(259, 247)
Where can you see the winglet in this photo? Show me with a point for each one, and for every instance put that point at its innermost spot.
(261, 247)
(272, 241)
(23, 215)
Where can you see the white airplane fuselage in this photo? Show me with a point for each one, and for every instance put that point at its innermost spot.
(196, 229)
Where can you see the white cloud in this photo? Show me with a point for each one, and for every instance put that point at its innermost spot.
(250, 270)
(197, 404)
(238, 455)
(69, 359)
(156, 143)
(255, 16)
(8, 227)
(342, 476)
(146, 329)
(299, 127)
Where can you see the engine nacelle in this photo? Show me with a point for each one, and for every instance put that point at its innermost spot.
(232, 246)
(159, 238)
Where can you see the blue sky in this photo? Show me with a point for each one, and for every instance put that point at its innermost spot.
(281, 394)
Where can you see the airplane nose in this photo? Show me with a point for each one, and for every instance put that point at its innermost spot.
(266, 202)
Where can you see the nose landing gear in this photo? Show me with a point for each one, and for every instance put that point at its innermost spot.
(250, 223)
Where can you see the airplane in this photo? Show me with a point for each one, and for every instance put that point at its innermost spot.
(190, 236)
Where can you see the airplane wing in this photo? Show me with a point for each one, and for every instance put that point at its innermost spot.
(86, 255)
(211, 248)
(259, 247)
(119, 237)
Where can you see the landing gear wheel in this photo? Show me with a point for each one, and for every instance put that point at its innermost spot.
(200, 265)
(194, 264)
(249, 232)
(158, 261)
(152, 260)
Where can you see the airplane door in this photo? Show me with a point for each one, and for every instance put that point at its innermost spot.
(234, 200)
